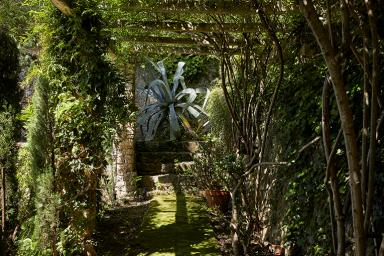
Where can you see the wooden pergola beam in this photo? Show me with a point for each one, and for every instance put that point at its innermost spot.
(191, 27)
(143, 39)
(198, 50)
(160, 40)
(172, 49)
(220, 7)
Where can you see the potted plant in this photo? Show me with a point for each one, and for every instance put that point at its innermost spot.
(218, 199)
(208, 175)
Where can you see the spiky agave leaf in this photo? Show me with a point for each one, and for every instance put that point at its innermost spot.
(193, 109)
(159, 67)
(147, 112)
(195, 113)
(157, 89)
(185, 123)
(153, 124)
(171, 105)
(178, 77)
(190, 92)
(206, 91)
(163, 73)
(200, 109)
(173, 122)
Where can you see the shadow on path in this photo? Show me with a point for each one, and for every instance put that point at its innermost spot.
(118, 228)
(167, 225)
(177, 225)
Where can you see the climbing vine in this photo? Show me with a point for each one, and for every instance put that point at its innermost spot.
(80, 104)
(10, 97)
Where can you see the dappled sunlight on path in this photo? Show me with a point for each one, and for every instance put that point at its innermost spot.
(177, 225)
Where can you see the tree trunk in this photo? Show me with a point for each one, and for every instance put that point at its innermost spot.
(331, 175)
(3, 203)
(3, 242)
(364, 141)
(381, 252)
(374, 112)
(346, 117)
(234, 225)
(89, 250)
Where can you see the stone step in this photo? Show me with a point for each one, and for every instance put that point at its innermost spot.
(167, 146)
(158, 168)
(164, 157)
(163, 182)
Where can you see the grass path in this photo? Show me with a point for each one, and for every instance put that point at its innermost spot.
(176, 225)
(166, 225)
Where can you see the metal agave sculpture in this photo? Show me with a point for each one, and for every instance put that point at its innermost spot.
(172, 105)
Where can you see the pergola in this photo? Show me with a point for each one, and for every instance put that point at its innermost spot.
(188, 26)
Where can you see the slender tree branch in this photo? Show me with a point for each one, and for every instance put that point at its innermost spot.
(364, 141)
(374, 111)
(309, 144)
(329, 22)
(332, 154)
(337, 216)
(346, 31)
(381, 251)
(266, 24)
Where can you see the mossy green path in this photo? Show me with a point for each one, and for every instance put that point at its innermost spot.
(177, 225)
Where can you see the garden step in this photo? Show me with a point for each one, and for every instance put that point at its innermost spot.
(153, 163)
(163, 157)
(151, 146)
(164, 183)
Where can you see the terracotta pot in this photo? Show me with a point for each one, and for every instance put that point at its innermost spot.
(218, 199)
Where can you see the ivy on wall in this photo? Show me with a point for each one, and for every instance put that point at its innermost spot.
(80, 104)
(10, 96)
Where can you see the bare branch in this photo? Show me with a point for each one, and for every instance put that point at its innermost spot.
(309, 144)
(374, 111)
(266, 24)
(338, 230)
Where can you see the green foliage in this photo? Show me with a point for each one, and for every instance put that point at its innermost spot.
(34, 158)
(38, 200)
(26, 180)
(307, 218)
(13, 17)
(79, 105)
(219, 118)
(7, 139)
(8, 157)
(40, 128)
(197, 68)
(204, 172)
(301, 108)
(10, 93)
(171, 104)
(45, 220)
(214, 167)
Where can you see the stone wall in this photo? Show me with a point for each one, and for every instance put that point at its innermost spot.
(125, 164)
